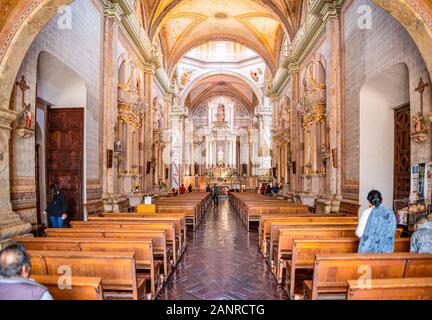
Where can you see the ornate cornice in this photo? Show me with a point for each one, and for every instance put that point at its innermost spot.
(139, 38)
(320, 11)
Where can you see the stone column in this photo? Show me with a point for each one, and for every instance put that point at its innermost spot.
(297, 132)
(11, 224)
(207, 164)
(110, 83)
(149, 71)
(334, 105)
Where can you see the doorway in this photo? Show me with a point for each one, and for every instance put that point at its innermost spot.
(384, 135)
(402, 153)
(64, 154)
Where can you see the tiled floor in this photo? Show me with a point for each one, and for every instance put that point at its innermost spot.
(222, 262)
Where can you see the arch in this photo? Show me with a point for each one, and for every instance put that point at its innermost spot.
(379, 97)
(260, 51)
(288, 30)
(59, 84)
(208, 95)
(205, 76)
(416, 17)
(59, 87)
(25, 20)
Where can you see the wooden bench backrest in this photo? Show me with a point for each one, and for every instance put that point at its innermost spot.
(117, 269)
(287, 236)
(334, 270)
(310, 231)
(304, 250)
(158, 237)
(82, 288)
(169, 227)
(95, 207)
(392, 289)
(267, 223)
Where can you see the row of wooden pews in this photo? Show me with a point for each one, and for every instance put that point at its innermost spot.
(193, 205)
(115, 256)
(251, 206)
(315, 256)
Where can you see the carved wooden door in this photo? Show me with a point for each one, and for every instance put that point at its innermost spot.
(402, 153)
(65, 137)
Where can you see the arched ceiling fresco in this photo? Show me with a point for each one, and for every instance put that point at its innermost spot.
(260, 25)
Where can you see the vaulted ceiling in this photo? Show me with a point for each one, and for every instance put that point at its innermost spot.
(261, 25)
(221, 85)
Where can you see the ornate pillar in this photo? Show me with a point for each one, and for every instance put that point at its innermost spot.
(335, 106)
(11, 224)
(177, 143)
(296, 137)
(112, 20)
(149, 71)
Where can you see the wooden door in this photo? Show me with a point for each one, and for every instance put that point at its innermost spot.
(402, 153)
(65, 138)
(37, 166)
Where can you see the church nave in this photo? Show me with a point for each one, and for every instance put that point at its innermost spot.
(222, 262)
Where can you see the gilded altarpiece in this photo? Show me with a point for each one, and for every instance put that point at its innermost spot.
(131, 108)
(312, 112)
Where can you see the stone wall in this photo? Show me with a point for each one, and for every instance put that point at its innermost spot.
(368, 52)
(78, 46)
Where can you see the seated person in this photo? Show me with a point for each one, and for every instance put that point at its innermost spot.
(421, 240)
(15, 282)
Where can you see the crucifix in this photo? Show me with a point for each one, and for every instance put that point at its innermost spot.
(25, 107)
(420, 89)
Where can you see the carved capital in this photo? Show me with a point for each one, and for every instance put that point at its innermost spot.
(7, 117)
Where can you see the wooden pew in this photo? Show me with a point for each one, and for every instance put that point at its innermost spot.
(158, 237)
(333, 271)
(95, 207)
(282, 240)
(82, 288)
(119, 282)
(391, 289)
(177, 218)
(304, 251)
(147, 267)
(251, 206)
(281, 249)
(168, 226)
(193, 205)
(266, 223)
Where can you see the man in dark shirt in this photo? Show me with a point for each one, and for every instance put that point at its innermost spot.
(190, 188)
(56, 207)
(15, 282)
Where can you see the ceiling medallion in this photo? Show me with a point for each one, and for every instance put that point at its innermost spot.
(221, 16)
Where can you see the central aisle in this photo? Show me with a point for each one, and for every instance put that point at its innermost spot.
(222, 262)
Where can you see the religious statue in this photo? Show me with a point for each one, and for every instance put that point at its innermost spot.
(27, 116)
(255, 74)
(419, 123)
(221, 113)
(186, 77)
(158, 115)
(25, 120)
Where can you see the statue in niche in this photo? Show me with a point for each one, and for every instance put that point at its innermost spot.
(221, 113)
(158, 115)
